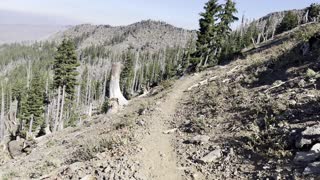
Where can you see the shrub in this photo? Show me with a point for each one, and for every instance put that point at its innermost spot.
(167, 84)
(105, 106)
(311, 73)
(305, 33)
(289, 22)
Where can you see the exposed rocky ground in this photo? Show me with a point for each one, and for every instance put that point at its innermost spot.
(256, 118)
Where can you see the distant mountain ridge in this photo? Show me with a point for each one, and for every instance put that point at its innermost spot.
(20, 33)
(145, 35)
(17, 27)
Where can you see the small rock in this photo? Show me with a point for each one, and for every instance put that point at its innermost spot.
(195, 176)
(142, 111)
(89, 177)
(212, 156)
(292, 102)
(302, 83)
(170, 131)
(200, 139)
(140, 176)
(312, 168)
(141, 123)
(302, 142)
(266, 167)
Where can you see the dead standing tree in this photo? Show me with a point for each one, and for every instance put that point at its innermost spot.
(117, 100)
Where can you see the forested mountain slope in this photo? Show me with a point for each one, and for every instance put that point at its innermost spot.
(142, 36)
(157, 53)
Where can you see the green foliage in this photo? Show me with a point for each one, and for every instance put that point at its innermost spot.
(36, 101)
(289, 22)
(65, 68)
(73, 117)
(311, 73)
(227, 18)
(306, 32)
(126, 78)
(207, 34)
(314, 11)
(105, 106)
(32, 103)
(214, 32)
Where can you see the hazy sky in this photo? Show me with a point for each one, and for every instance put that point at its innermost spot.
(181, 13)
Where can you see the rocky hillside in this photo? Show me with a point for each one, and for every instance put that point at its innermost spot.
(269, 22)
(257, 117)
(143, 36)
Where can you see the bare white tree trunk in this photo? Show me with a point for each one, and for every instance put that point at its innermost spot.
(104, 88)
(253, 42)
(114, 90)
(47, 113)
(306, 17)
(2, 128)
(47, 129)
(135, 73)
(29, 72)
(56, 121)
(90, 110)
(259, 38)
(61, 122)
(88, 88)
(30, 127)
(274, 32)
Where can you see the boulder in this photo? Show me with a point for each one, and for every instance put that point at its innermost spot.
(312, 131)
(16, 148)
(213, 156)
(312, 169)
(306, 157)
(316, 148)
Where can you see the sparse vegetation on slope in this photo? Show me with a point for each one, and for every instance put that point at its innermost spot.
(254, 110)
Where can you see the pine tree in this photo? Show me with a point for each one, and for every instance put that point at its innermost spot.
(35, 102)
(65, 68)
(126, 76)
(226, 19)
(224, 42)
(206, 42)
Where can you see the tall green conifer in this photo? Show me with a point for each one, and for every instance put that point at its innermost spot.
(207, 33)
(65, 68)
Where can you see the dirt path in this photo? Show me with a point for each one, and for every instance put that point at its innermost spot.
(158, 156)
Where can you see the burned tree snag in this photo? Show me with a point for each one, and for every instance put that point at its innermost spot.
(115, 94)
